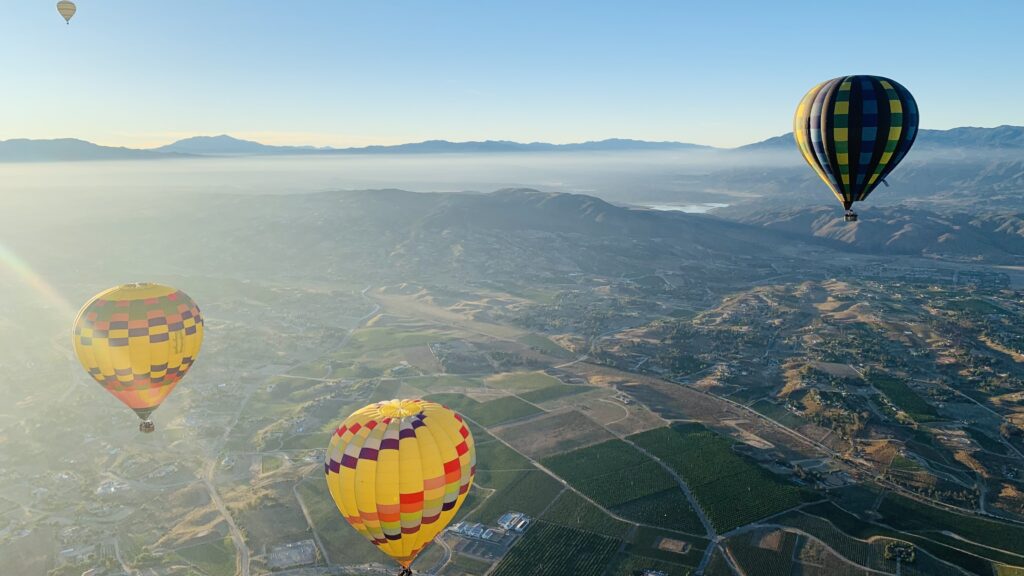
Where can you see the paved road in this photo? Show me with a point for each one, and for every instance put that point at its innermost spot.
(241, 549)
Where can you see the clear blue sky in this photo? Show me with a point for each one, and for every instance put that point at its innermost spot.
(348, 72)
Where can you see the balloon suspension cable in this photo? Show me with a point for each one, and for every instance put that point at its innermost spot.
(147, 426)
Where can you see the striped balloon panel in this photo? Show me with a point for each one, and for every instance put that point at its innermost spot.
(854, 130)
(138, 341)
(399, 471)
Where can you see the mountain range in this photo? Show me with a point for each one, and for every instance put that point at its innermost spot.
(1009, 138)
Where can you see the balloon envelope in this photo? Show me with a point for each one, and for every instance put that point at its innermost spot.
(399, 471)
(138, 341)
(853, 130)
(67, 9)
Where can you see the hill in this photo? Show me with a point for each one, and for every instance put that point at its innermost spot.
(902, 230)
(227, 145)
(69, 149)
(1006, 138)
(970, 137)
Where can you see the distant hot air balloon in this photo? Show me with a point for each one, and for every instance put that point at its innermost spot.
(138, 341)
(853, 130)
(399, 471)
(66, 9)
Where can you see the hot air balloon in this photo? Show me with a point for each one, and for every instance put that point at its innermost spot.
(138, 341)
(399, 471)
(66, 9)
(853, 130)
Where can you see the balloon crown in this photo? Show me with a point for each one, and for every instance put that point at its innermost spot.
(399, 408)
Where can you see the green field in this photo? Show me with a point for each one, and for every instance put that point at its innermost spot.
(847, 546)
(645, 543)
(554, 550)
(497, 465)
(491, 454)
(316, 369)
(465, 566)
(553, 392)
(545, 345)
(306, 441)
(387, 338)
(912, 516)
(443, 381)
(972, 305)
(631, 565)
(270, 462)
(385, 390)
(488, 413)
(903, 397)
(986, 441)
(757, 560)
(667, 509)
(732, 490)
(858, 528)
(522, 381)
(529, 492)
(213, 558)
(777, 413)
(573, 511)
(611, 473)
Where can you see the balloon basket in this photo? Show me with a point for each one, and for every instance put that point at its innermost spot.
(850, 217)
(147, 426)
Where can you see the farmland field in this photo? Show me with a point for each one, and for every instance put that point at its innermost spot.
(487, 413)
(465, 566)
(387, 338)
(545, 345)
(631, 565)
(522, 381)
(645, 542)
(854, 526)
(847, 546)
(905, 514)
(493, 455)
(986, 441)
(903, 397)
(554, 392)
(667, 509)
(215, 558)
(611, 473)
(530, 492)
(552, 434)
(573, 511)
(765, 553)
(554, 550)
(731, 490)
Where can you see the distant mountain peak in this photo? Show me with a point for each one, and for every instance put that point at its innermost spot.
(1004, 137)
(1001, 137)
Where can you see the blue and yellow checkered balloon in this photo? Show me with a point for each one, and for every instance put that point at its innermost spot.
(853, 130)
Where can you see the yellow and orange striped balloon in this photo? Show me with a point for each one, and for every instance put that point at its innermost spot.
(399, 471)
(138, 341)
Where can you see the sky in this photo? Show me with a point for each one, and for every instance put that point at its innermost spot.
(143, 73)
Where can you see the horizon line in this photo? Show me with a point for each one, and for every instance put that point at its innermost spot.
(312, 147)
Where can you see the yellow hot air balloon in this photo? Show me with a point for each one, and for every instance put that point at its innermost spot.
(66, 9)
(138, 341)
(399, 471)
